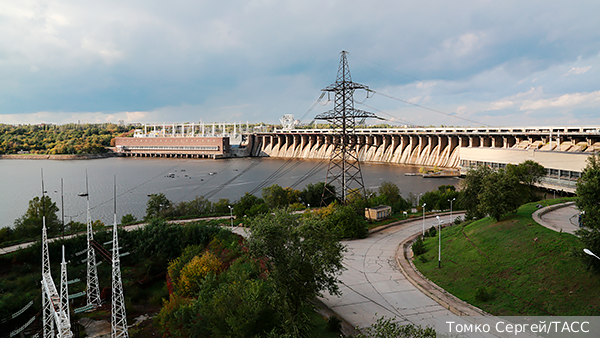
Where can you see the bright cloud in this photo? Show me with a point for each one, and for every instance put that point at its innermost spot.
(564, 101)
(148, 61)
(579, 70)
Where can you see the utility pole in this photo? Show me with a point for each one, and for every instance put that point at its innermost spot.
(344, 167)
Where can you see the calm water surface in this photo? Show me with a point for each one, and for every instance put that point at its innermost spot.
(20, 181)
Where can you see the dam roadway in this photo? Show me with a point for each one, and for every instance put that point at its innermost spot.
(562, 150)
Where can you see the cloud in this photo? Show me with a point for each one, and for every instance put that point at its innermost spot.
(205, 60)
(579, 70)
(464, 44)
(572, 100)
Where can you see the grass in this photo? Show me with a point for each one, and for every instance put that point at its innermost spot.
(513, 267)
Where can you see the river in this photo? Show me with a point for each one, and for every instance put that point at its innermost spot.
(20, 181)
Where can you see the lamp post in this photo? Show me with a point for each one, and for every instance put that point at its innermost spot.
(587, 251)
(452, 200)
(424, 204)
(231, 214)
(440, 241)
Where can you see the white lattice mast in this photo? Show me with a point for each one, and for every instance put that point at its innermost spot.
(48, 328)
(64, 290)
(54, 315)
(93, 287)
(118, 315)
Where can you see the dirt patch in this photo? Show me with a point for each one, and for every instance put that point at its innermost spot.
(96, 328)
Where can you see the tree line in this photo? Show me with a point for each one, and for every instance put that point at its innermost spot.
(60, 139)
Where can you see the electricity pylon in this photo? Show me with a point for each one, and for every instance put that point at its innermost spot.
(344, 171)
(55, 313)
(93, 287)
(118, 316)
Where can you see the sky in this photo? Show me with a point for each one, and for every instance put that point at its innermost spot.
(432, 62)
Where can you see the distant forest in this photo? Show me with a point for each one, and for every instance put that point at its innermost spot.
(60, 139)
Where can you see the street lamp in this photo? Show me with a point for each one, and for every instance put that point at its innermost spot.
(424, 204)
(231, 214)
(451, 219)
(440, 221)
(587, 251)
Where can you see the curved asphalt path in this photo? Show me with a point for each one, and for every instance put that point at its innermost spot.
(373, 286)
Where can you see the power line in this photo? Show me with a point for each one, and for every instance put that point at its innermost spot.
(223, 185)
(410, 103)
(430, 109)
(392, 116)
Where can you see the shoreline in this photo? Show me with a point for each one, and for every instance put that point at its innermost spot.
(57, 157)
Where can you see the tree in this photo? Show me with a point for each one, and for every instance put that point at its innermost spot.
(471, 187)
(275, 196)
(588, 195)
(249, 205)
(313, 193)
(387, 328)
(157, 205)
(196, 207)
(528, 173)
(128, 219)
(499, 194)
(389, 194)
(347, 222)
(303, 258)
(30, 224)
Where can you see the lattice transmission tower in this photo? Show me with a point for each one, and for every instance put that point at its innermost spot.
(118, 314)
(55, 306)
(344, 171)
(93, 284)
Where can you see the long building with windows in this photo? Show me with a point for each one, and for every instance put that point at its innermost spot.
(561, 150)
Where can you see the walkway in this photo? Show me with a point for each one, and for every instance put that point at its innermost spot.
(559, 217)
(131, 227)
(380, 279)
(373, 286)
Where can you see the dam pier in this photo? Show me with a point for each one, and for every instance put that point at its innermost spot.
(561, 150)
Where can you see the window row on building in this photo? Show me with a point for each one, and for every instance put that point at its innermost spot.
(550, 173)
(205, 148)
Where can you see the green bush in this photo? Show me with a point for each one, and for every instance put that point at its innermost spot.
(418, 247)
(431, 232)
(334, 324)
(482, 294)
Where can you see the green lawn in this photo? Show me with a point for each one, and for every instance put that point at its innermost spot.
(524, 268)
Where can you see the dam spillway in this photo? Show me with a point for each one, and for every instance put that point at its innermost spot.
(563, 151)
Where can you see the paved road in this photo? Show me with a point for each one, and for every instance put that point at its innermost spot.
(561, 217)
(16, 247)
(373, 286)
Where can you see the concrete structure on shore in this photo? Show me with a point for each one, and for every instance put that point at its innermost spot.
(561, 150)
(186, 140)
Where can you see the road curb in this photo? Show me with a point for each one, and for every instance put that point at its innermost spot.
(427, 287)
(537, 215)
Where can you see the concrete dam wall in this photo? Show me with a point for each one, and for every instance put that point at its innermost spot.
(440, 146)
(425, 150)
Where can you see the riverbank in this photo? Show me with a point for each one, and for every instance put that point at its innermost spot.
(57, 157)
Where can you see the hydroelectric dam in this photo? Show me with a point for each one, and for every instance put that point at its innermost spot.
(563, 151)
